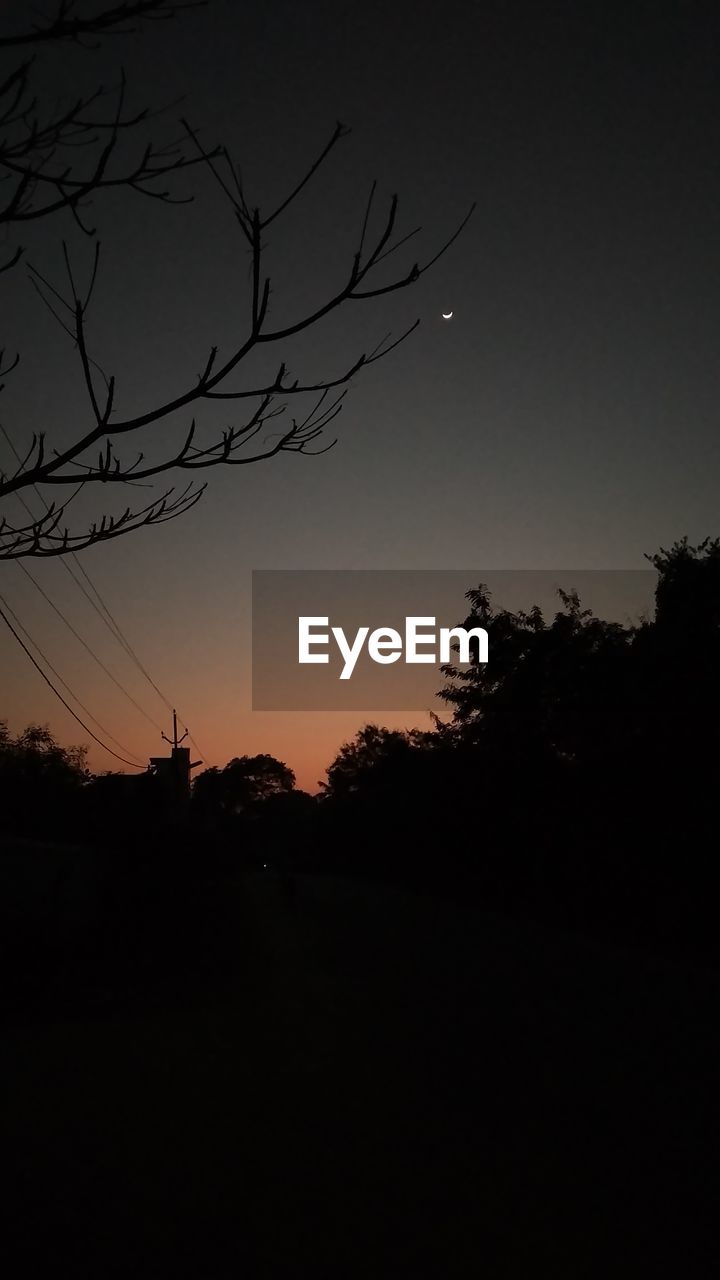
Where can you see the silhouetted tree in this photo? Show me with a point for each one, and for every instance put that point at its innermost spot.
(39, 781)
(678, 661)
(53, 159)
(241, 786)
(121, 807)
(374, 755)
(577, 772)
(381, 805)
(687, 597)
(549, 689)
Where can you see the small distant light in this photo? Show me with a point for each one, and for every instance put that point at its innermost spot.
(265, 866)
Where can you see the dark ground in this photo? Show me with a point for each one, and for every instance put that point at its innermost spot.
(388, 1085)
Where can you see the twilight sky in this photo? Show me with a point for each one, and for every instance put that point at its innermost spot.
(565, 418)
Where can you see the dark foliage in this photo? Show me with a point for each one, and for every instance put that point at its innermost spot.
(574, 782)
(575, 776)
(40, 781)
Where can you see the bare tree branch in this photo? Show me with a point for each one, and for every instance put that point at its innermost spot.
(40, 177)
(43, 538)
(67, 24)
(55, 159)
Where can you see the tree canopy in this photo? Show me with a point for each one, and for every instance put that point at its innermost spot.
(243, 784)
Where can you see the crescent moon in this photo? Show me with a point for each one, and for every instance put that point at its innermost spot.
(449, 315)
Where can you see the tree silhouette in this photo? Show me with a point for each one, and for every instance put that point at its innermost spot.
(56, 159)
(550, 688)
(39, 780)
(678, 657)
(374, 755)
(687, 597)
(242, 785)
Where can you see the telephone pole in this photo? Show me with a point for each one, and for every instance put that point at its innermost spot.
(175, 741)
(173, 773)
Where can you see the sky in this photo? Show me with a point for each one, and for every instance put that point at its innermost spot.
(565, 418)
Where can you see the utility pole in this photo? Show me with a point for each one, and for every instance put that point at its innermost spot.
(175, 741)
(174, 773)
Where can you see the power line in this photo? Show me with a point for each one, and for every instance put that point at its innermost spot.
(103, 611)
(115, 629)
(88, 648)
(67, 706)
(65, 684)
(114, 626)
